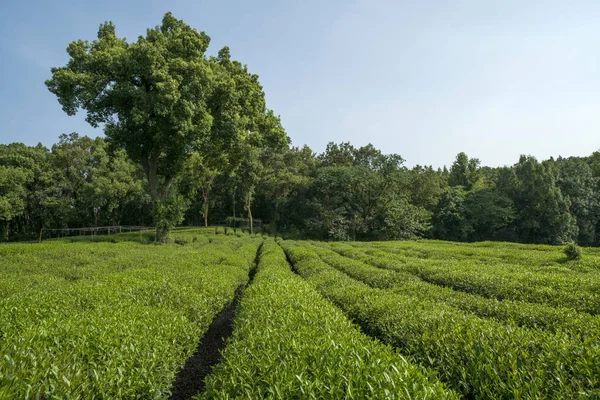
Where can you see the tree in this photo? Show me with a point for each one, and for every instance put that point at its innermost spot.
(361, 194)
(338, 155)
(489, 215)
(151, 95)
(543, 213)
(12, 195)
(449, 222)
(249, 172)
(198, 178)
(403, 221)
(465, 172)
(115, 184)
(79, 163)
(33, 162)
(594, 162)
(426, 186)
(244, 129)
(577, 183)
(285, 174)
(95, 184)
(269, 137)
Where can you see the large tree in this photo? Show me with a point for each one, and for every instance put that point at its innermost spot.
(151, 95)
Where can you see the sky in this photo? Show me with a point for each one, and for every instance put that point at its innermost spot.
(423, 79)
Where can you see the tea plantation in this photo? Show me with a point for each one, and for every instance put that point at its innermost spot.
(117, 317)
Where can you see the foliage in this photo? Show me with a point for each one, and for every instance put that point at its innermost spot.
(160, 97)
(361, 194)
(465, 172)
(150, 94)
(449, 219)
(78, 183)
(289, 342)
(198, 178)
(12, 192)
(82, 320)
(577, 183)
(572, 251)
(490, 215)
(478, 357)
(350, 194)
(387, 270)
(543, 213)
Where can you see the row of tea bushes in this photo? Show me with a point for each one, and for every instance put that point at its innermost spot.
(567, 288)
(104, 320)
(531, 315)
(480, 358)
(290, 343)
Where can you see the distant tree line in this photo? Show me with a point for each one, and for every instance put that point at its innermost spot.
(344, 193)
(190, 140)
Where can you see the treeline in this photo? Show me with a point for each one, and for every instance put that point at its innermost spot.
(344, 193)
(76, 183)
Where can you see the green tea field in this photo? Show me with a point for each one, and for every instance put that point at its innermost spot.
(121, 318)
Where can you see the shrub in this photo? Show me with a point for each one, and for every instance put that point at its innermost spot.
(572, 251)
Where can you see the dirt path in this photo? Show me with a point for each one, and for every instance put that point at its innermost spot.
(190, 380)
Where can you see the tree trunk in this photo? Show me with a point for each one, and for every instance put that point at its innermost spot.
(150, 164)
(161, 233)
(249, 207)
(205, 206)
(233, 202)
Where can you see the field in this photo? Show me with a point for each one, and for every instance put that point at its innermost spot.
(118, 317)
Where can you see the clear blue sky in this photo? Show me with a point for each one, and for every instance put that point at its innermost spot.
(424, 79)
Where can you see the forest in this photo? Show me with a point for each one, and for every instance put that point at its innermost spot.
(188, 140)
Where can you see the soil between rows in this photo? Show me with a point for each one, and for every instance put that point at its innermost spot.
(190, 379)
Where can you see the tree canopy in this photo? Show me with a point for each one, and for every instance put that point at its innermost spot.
(161, 98)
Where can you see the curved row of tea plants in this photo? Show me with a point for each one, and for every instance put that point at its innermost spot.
(478, 357)
(289, 342)
(542, 259)
(571, 289)
(104, 320)
(526, 314)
